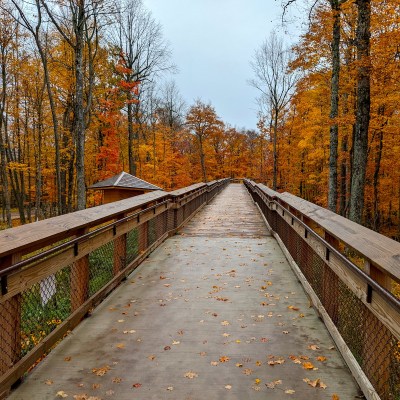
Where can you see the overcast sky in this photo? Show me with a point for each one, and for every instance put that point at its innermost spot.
(213, 42)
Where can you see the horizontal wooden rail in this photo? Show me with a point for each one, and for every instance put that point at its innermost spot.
(53, 272)
(357, 304)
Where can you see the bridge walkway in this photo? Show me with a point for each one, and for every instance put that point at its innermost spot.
(214, 313)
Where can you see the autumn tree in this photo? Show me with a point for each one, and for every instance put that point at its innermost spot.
(275, 82)
(202, 121)
(142, 53)
(78, 23)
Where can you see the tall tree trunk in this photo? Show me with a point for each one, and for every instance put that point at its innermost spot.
(334, 129)
(275, 153)
(79, 111)
(131, 137)
(360, 145)
(202, 160)
(378, 157)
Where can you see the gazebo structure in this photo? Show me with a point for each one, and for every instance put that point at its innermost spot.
(122, 186)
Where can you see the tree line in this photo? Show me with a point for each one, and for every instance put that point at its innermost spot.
(335, 139)
(86, 92)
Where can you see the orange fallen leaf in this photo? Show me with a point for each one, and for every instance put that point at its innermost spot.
(313, 347)
(335, 397)
(293, 308)
(224, 359)
(257, 381)
(120, 346)
(48, 382)
(137, 385)
(62, 394)
(116, 380)
(67, 358)
(308, 365)
(321, 358)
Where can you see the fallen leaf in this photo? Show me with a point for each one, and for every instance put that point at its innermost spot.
(176, 342)
(271, 385)
(224, 359)
(96, 386)
(316, 383)
(67, 358)
(238, 341)
(167, 348)
(151, 357)
(131, 331)
(257, 381)
(48, 382)
(62, 394)
(247, 371)
(226, 334)
(117, 380)
(228, 387)
(214, 363)
(264, 340)
(170, 388)
(203, 353)
(335, 397)
(110, 392)
(101, 371)
(285, 332)
(289, 391)
(137, 385)
(293, 308)
(224, 323)
(239, 365)
(308, 365)
(321, 358)
(258, 363)
(121, 320)
(191, 375)
(313, 347)
(120, 346)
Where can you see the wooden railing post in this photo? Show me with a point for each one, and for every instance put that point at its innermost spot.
(143, 235)
(119, 251)
(331, 282)
(10, 317)
(79, 278)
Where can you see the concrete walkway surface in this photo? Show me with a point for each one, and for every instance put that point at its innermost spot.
(214, 313)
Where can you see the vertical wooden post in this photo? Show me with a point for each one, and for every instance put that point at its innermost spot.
(143, 231)
(119, 251)
(10, 317)
(79, 279)
(331, 283)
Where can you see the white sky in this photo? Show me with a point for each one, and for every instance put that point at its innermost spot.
(213, 42)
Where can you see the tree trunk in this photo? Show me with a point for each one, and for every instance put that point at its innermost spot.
(79, 112)
(275, 155)
(202, 160)
(360, 145)
(378, 157)
(333, 147)
(131, 135)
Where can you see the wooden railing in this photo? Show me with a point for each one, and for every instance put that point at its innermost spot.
(351, 274)
(53, 272)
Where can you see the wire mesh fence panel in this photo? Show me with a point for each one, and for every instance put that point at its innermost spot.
(43, 307)
(100, 267)
(132, 245)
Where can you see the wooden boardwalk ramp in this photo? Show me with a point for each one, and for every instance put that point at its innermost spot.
(214, 313)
